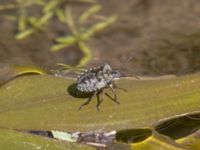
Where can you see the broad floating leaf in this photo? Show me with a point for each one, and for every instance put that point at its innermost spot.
(179, 126)
(133, 135)
(13, 140)
(157, 142)
(192, 141)
(43, 103)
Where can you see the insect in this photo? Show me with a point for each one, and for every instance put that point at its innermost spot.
(96, 80)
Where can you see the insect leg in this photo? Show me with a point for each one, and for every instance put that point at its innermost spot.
(88, 101)
(115, 96)
(111, 98)
(116, 87)
(99, 100)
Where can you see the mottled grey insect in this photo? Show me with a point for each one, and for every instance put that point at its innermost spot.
(96, 80)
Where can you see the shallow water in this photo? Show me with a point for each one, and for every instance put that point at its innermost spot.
(149, 38)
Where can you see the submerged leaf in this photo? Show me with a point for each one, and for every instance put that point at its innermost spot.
(98, 27)
(24, 34)
(57, 47)
(50, 6)
(90, 11)
(87, 54)
(68, 40)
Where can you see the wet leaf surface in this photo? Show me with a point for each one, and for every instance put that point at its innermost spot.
(192, 141)
(13, 140)
(157, 142)
(43, 103)
(133, 135)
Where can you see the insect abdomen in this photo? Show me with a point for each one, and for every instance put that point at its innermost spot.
(91, 85)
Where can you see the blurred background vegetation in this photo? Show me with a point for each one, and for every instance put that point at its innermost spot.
(147, 37)
(34, 16)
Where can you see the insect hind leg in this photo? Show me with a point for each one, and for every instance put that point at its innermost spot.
(88, 101)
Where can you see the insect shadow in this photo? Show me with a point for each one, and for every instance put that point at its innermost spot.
(72, 90)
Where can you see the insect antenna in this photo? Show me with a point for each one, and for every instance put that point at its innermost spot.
(125, 71)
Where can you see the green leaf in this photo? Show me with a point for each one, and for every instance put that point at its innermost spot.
(13, 140)
(9, 72)
(192, 141)
(157, 142)
(70, 20)
(90, 11)
(22, 20)
(60, 14)
(133, 135)
(68, 40)
(50, 6)
(142, 139)
(24, 34)
(33, 21)
(88, 1)
(58, 47)
(45, 18)
(184, 125)
(87, 54)
(43, 103)
(98, 27)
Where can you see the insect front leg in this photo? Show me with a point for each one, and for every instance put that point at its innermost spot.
(115, 96)
(116, 87)
(88, 101)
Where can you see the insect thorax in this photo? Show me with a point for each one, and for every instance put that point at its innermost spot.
(97, 78)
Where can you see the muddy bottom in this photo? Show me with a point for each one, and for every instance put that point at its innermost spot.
(149, 38)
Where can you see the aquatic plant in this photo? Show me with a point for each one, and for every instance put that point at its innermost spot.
(62, 11)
